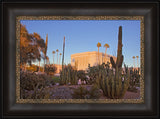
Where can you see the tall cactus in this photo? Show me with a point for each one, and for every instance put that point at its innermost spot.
(119, 60)
(112, 84)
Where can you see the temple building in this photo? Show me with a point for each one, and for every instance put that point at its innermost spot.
(81, 60)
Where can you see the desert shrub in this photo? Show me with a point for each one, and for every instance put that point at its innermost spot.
(81, 75)
(82, 93)
(41, 93)
(50, 69)
(29, 81)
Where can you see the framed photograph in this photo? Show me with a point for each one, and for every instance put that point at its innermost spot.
(80, 59)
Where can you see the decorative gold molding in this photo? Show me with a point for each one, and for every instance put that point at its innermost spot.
(19, 100)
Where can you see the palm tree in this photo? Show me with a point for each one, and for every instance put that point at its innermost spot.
(137, 61)
(53, 55)
(57, 55)
(60, 57)
(106, 46)
(47, 58)
(133, 61)
(98, 45)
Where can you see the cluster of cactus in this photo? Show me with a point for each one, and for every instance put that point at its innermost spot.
(93, 72)
(134, 80)
(111, 82)
(68, 75)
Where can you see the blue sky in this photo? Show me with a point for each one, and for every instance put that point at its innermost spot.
(83, 36)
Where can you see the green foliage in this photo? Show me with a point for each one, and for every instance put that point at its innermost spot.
(68, 75)
(50, 69)
(82, 93)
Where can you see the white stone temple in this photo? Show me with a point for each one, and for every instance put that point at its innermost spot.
(81, 60)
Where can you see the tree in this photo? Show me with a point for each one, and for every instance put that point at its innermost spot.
(28, 51)
(98, 45)
(45, 51)
(106, 46)
(39, 42)
(31, 46)
(53, 52)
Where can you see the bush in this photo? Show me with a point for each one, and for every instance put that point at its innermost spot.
(42, 93)
(29, 81)
(82, 93)
(50, 69)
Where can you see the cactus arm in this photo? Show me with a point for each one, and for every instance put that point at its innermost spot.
(112, 62)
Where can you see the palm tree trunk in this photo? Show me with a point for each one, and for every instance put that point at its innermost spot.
(53, 59)
(98, 55)
(57, 63)
(57, 58)
(137, 63)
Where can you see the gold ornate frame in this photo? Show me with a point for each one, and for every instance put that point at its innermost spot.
(18, 100)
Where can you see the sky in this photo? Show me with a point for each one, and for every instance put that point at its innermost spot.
(83, 36)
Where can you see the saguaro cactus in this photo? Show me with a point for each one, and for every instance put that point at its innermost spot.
(115, 85)
(119, 60)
